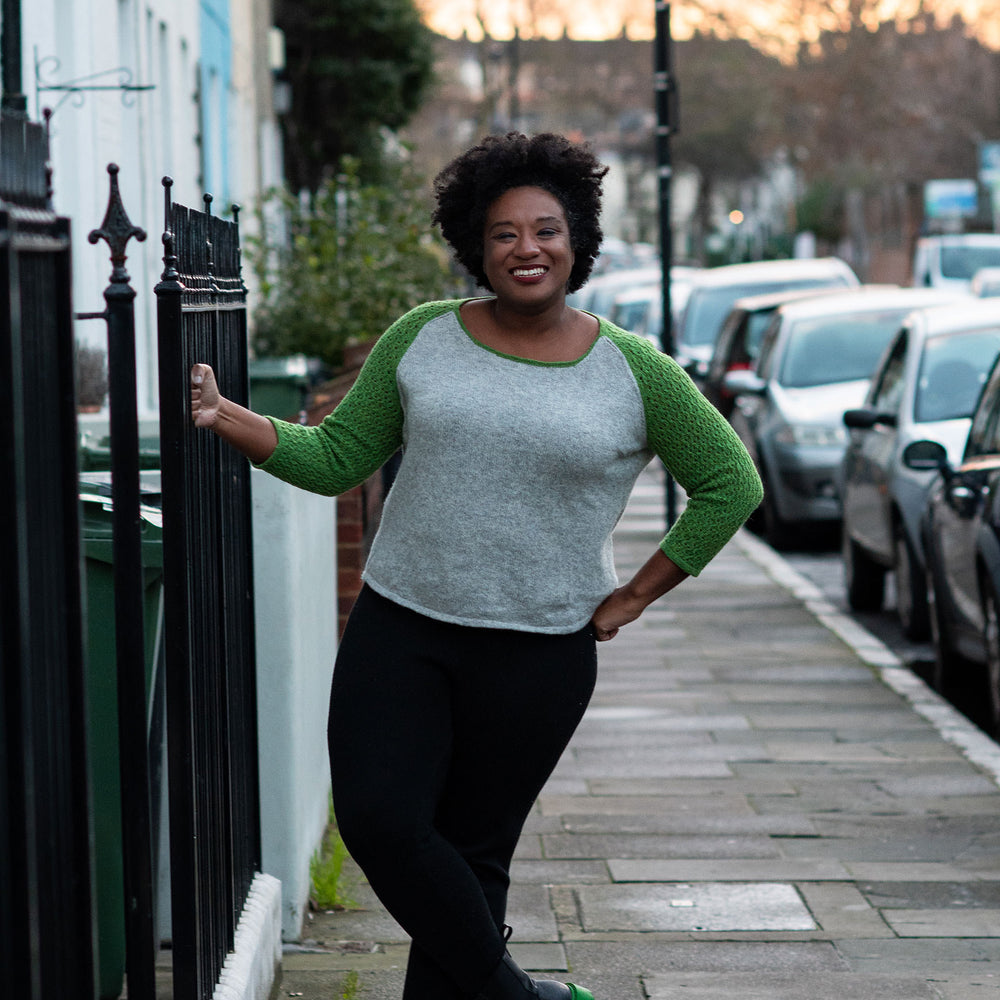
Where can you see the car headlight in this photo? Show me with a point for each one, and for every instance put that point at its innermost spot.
(811, 435)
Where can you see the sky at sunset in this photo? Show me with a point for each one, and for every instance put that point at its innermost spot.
(605, 18)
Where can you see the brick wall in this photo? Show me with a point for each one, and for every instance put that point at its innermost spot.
(359, 509)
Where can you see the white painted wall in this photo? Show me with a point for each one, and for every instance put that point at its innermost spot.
(149, 134)
(295, 579)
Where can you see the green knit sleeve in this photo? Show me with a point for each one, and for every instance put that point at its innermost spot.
(364, 430)
(699, 449)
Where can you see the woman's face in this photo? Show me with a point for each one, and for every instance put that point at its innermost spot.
(527, 255)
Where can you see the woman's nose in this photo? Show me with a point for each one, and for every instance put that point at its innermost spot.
(526, 245)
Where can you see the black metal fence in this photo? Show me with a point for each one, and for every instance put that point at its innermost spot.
(208, 601)
(46, 891)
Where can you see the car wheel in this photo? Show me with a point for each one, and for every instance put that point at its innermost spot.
(991, 642)
(911, 589)
(864, 579)
(946, 661)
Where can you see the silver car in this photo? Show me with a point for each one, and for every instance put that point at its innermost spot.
(816, 361)
(925, 389)
(715, 289)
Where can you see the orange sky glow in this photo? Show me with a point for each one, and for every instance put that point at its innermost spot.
(767, 23)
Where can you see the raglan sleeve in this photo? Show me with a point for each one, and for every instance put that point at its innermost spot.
(364, 430)
(703, 454)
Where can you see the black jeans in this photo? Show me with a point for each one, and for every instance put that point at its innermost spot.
(441, 737)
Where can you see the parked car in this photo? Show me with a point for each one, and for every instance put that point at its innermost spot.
(742, 332)
(962, 540)
(925, 388)
(986, 282)
(950, 260)
(639, 308)
(598, 294)
(816, 361)
(715, 289)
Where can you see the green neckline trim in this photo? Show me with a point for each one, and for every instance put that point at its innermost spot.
(516, 357)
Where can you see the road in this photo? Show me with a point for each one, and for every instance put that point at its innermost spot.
(822, 566)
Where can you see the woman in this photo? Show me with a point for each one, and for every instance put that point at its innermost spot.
(470, 655)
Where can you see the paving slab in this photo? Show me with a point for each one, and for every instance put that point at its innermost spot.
(573, 845)
(976, 923)
(704, 906)
(711, 870)
(775, 986)
(643, 956)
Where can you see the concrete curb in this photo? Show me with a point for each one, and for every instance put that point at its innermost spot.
(954, 727)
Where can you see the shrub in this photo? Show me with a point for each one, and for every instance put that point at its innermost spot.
(340, 265)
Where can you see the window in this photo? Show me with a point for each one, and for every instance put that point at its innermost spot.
(888, 393)
(952, 372)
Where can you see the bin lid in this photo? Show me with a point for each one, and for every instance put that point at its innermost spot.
(97, 519)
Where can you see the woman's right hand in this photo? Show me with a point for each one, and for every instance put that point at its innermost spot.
(205, 396)
(248, 432)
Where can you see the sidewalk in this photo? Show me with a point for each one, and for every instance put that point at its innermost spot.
(761, 804)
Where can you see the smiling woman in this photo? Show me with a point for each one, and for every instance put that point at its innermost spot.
(470, 655)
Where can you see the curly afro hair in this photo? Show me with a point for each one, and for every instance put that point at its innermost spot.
(468, 185)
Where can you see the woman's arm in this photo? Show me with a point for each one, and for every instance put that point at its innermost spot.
(248, 432)
(624, 605)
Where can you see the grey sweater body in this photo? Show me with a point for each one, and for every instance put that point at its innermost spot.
(513, 477)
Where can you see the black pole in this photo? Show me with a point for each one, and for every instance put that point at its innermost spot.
(666, 125)
(13, 101)
(130, 646)
(514, 71)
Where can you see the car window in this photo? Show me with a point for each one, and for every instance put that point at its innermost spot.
(758, 323)
(888, 390)
(984, 434)
(953, 369)
(963, 261)
(769, 340)
(827, 349)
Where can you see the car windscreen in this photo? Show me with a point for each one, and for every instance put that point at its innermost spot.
(963, 261)
(826, 349)
(953, 369)
(708, 307)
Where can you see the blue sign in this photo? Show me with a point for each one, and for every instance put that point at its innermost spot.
(950, 198)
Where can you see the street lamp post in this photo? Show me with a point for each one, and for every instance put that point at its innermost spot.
(666, 125)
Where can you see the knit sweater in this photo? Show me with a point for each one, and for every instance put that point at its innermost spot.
(514, 472)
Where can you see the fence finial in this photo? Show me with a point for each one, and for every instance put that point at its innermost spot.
(116, 230)
(170, 272)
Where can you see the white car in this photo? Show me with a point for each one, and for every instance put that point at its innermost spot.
(924, 389)
(951, 260)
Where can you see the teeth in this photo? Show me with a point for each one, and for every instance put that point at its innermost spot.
(529, 272)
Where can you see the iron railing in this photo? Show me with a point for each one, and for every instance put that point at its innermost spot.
(46, 869)
(208, 601)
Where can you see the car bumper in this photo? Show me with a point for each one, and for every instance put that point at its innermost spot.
(804, 485)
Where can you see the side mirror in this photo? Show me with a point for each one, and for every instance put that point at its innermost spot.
(865, 419)
(925, 456)
(743, 383)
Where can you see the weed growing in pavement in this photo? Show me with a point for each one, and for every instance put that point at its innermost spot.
(326, 871)
(350, 986)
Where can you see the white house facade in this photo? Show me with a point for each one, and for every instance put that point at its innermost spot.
(179, 89)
